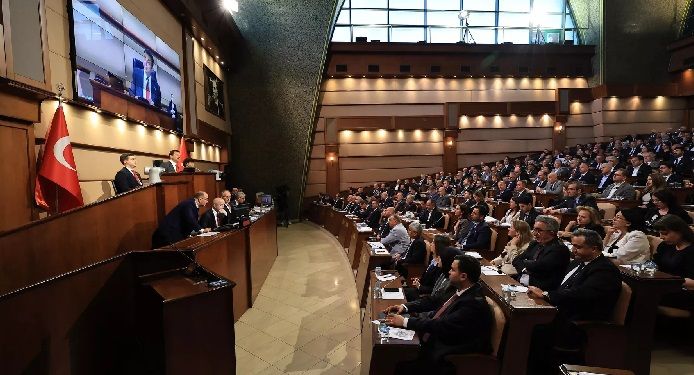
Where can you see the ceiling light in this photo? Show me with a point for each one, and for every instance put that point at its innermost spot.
(232, 6)
(202, 38)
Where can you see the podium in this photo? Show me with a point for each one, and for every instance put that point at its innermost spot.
(194, 182)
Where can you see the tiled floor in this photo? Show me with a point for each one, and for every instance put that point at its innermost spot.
(306, 318)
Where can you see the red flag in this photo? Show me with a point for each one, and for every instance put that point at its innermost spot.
(184, 155)
(57, 186)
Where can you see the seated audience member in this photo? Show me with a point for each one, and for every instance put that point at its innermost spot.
(675, 255)
(574, 197)
(527, 211)
(503, 193)
(639, 170)
(585, 176)
(170, 165)
(666, 169)
(586, 218)
(397, 239)
(442, 289)
(540, 181)
(431, 216)
(520, 239)
(443, 199)
(682, 163)
(479, 236)
(425, 284)
(399, 203)
(625, 240)
(512, 213)
(415, 253)
(373, 216)
(543, 263)
(588, 291)
(338, 202)
(654, 182)
(410, 206)
(189, 165)
(664, 203)
(215, 216)
(180, 222)
(226, 197)
(619, 189)
(605, 179)
(127, 178)
(462, 225)
(478, 197)
(553, 186)
(461, 324)
(240, 198)
(521, 189)
(383, 226)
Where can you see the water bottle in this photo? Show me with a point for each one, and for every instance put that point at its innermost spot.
(377, 290)
(378, 271)
(383, 330)
(649, 267)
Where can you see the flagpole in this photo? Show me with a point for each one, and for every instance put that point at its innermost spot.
(61, 88)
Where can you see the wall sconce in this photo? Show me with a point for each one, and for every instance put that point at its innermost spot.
(331, 158)
(449, 142)
(559, 128)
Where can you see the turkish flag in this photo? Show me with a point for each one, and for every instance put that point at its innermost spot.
(57, 186)
(184, 155)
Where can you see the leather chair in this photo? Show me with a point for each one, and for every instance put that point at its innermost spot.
(653, 243)
(483, 364)
(489, 253)
(606, 341)
(609, 210)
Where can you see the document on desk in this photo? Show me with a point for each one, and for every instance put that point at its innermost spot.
(375, 245)
(363, 229)
(473, 254)
(393, 295)
(491, 271)
(387, 277)
(208, 234)
(381, 252)
(401, 334)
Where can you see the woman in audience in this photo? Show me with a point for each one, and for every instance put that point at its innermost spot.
(444, 259)
(625, 241)
(462, 226)
(425, 284)
(654, 182)
(520, 238)
(479, 197)
(675, 255)
(586, 218)
(512, 213)
(664, 203)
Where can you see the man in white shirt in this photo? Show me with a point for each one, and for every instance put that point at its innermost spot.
(215, 216)
(619, 189)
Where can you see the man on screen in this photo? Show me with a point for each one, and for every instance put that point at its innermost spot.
(144, 84)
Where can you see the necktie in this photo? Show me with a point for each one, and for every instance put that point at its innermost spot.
(147, 89)
(567, 283)
(440, 312)
(137, 176)
(216, 220)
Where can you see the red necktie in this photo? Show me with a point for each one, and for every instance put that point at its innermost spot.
(147, 89)
(440, 312)
(137, 176)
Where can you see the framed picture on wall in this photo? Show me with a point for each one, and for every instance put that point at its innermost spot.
(214, 93)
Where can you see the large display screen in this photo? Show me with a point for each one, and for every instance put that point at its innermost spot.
(115, 49)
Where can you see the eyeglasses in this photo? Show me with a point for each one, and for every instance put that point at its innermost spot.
(541, 230)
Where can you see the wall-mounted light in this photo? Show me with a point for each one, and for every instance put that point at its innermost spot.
(449, 142)
(559, 128)
(332, 157)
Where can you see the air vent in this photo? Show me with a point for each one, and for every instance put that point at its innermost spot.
(341, 68)
(551, 70)
(405, 68)
(523, 70)
(465, 68)
(435, 69)
(494, 69)
(361, 39)
(374, 68)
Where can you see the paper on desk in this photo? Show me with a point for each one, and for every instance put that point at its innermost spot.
(518, 288)
(473, 254)
(381, 252)
(491, 271)
(490, 220)
(392, 295)
(401, 334)
(386, 277)
(207, 234)
(364, 229)
(375, 245)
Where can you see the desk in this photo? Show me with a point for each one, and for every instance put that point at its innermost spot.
(597, 370)
(344, 234)
(646, 293)
(357, 242)
(522, 315)
(544, 200)
(262, 249)
(377, 357)
(368, 261)
(333, 219)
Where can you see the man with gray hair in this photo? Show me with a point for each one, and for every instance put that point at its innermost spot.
(544, 262)
(397, 240)
(416, 250)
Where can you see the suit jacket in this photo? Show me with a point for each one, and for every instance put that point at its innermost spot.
(641, 175)
(464, 327)
(373, 218)
(589, 294)
(137, 85)
(544, 264)
(571, 203)
(401, 207)
(555, 188)
(435, 220)
(540, 184)
(169, 166)
(177, 224)
(384, 228)
(528, 217)
(603, 184)
(428, 279)
(397, 239)
(415, 253)
(587, 178)
(505, 195)
(625, 190)
(125, 181)
(684, 167)
(478, 237)
(207, 219)
(673, 179)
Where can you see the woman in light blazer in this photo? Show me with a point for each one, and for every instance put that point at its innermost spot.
(520, 238)
(625, 241)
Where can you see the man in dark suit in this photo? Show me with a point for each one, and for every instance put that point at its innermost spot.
(384, 228)
(374, 215)
(461, 324)
(667, 170)
(639, 170)
(504, 192)
(682, 164)
(431, 216)
(226, 196)
(416, 252)
(215, 216)
(180, 222)
(543, 263)
(605, 179)
(144, 83)
(127, 178)
(527, 211)
(584, 174)
(588, 291)
(170, 165)
(574, 198)
(480, 235)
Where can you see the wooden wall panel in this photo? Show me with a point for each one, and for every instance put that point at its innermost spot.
(391, 149)
(364, 123)
(476, 159)
(16, 191)
(501, 134)
(317, 164)
(319, 138)
(451, 84)
(365, 175)
(318, 152)
(429, 97)
(636, 103)
(384, 162)
(579, 141)
(613, 130)
(383, 136)
(314, 189)
(503, 146)
(576, 108)
(381, 110)
(316, 177)
(642, 116)
(502, 122)
(579, 132)
(580, 120)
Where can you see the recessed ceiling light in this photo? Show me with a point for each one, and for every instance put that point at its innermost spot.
(202, 38)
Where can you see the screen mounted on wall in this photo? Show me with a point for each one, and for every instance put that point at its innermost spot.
(113, 49)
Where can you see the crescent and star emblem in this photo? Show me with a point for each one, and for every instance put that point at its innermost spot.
(59, 150)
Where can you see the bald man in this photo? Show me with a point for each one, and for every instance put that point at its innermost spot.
(215, 216)
(180, 222)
